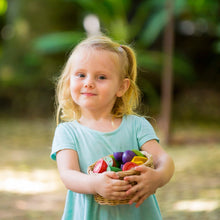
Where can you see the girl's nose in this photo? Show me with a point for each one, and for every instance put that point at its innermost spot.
(89, 84)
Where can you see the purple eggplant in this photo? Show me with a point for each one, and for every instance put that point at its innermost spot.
(121, 166)
(118, 156)
(128, 156)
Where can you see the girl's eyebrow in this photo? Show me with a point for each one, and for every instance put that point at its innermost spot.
(100, 71)
(78, 70)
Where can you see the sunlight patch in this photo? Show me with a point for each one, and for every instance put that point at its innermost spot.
(37, 181)
(196, 205)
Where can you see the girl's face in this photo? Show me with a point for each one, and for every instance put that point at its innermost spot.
(95, 80)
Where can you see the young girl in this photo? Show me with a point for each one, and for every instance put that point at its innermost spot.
(97, 95)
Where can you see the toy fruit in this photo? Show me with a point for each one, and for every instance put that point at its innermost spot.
(128, 156)
(118, 156)
(128, 166)
(138, 153)
(139, 160)
(109, 160)
(115, 169)
(115, 162)
(122, 166)
(100, 166)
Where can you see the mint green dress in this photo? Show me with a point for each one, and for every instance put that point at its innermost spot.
(91, 145)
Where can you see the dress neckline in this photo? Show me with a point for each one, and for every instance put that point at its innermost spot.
(101, 132)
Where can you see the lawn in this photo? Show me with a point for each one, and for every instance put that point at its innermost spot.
(30, 187)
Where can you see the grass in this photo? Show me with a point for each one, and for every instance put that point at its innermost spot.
(193, 192)
(31, 189)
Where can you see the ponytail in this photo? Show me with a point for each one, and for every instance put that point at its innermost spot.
(130, 100)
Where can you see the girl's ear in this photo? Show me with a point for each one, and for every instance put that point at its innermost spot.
(123, 88)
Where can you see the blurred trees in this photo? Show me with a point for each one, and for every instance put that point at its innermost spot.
(36, 37)
(167, 75)
(26, 79)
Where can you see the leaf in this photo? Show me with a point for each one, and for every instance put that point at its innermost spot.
(57, 42)
(153, 61)
(180, 6)
(153, 27)
(103, 9)
(119, 30)
(138, 19)
(217, 47)
(149, 90)
(183, 68)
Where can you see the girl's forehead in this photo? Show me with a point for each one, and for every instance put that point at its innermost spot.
(84, 54)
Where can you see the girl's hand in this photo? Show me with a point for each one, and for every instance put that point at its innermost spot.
(109, 186)
(147, 183)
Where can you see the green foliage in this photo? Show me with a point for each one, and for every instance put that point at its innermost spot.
(217, 47)
(3, 6)
(40, 34)
(153, 61)
(115, 21)
(153, 28)
(57, 42)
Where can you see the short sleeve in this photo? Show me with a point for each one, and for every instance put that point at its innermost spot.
(145, 131)
(63, 139)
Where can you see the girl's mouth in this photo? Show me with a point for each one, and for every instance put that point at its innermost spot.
(88, 94)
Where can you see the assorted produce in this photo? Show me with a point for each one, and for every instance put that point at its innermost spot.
(120, 161)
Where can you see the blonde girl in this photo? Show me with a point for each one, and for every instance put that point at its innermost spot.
(68, 110)
(96, 100)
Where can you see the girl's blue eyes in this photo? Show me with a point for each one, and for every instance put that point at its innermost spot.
(82, 75)
(101, 77)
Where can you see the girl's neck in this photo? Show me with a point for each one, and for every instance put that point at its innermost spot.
(103, 124)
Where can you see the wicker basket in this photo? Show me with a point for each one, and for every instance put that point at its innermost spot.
(103, 201)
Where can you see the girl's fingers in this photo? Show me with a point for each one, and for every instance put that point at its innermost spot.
(138, 198)
(120, 185)
(118, 195)
(135, 198)
(112, 175)
(139, 195)
(141, 200)
(132, 190)
(134, 178)
(141, 168)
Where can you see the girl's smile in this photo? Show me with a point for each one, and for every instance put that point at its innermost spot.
(88, 94)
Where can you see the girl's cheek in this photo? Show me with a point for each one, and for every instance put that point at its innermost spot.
(74, 84)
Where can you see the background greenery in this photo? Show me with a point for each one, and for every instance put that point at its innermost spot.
(35, 39)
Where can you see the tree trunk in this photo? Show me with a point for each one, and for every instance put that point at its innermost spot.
(167, 88)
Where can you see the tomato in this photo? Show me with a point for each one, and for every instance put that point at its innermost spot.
(128, 166)
(100, 166)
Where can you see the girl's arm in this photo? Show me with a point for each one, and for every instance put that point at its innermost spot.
(163, 163)
(105, 184)
(151, 179)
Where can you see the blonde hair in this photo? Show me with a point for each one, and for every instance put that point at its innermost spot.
(67, 110)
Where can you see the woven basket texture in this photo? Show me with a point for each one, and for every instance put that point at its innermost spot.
(104, 201)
